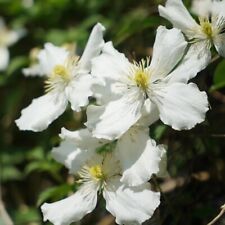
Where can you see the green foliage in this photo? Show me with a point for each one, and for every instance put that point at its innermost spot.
(219, 76)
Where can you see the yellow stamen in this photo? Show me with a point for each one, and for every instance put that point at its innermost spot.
(206, 27)
(97, 172)
(61, 71)
(142, 79)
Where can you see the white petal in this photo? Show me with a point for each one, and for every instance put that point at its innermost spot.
(111, 64)
(93, 47)
(4, 58)
(149, 114)
(34, 70)
(139, 156)
(178, 15)
(41, 112)
(130, 205)
(79, 90)
(77, 148)
(14, 36)
(195, 60)
(202, 8)
(51, 56)
(73, 208)
(163, 163)
(168, 49)
(219, 42)
(181, 106)
(112, 120)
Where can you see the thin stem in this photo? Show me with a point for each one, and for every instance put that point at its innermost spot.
(218, 216)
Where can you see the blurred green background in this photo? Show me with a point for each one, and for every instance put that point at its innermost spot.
(195, 189)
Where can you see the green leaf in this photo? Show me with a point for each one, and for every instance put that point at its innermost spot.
(55, 193)
(219, 77)
(16, 64)
(10, 173)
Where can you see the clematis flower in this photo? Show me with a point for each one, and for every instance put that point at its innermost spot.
(7, 38)
(68, 80)
(162, 81)
(36, 68)
(208, 31)
(98, 173)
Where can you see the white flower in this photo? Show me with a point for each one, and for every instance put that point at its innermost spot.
(7, 38)
(161, 81)
(69, 80)
(210, 29)
(37, 67)
(99, 173)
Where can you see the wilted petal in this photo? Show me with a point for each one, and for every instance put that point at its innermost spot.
(4, 58)
(181, 106)
(73, 208)
(139, 156)
(115, 118)
(93, 47)
(168, 49)
(130, 205)
(42, 111)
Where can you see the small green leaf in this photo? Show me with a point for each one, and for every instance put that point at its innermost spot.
(55, 193)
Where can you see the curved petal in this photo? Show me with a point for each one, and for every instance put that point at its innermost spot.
(149, 114)
(4, 58)
(130, 205)
(34, 70)
(93, 47)
(111, 64)
(41, 112)
(201, 8)
(195, 60)
(51, 56)
(178, 15)
(219, 42)
(181, 106)
(168, 49)
(73, 208)
(139, 156)
(112, 120)
(77, 148)
(78, 92)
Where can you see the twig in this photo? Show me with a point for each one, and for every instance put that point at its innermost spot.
(218, 216)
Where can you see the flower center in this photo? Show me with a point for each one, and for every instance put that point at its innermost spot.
(206, 27)
(141, 78)
(61, 71)
(97, 172)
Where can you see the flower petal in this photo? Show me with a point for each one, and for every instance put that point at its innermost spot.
(111, 64)
(178, 15)
(163, 163)
(105, 121)
(4, 58)
(219, 42)
(34, 70)
(41, 112)
(201, 8)
(79, 90)
(130, 205)
(181, 106)
(51, 56)
(76, 148)
(168, 49)
(139, 156)
(93, 47)
(73, 208)
(195, 60)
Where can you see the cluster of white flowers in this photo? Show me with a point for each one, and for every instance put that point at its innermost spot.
(114, 155)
